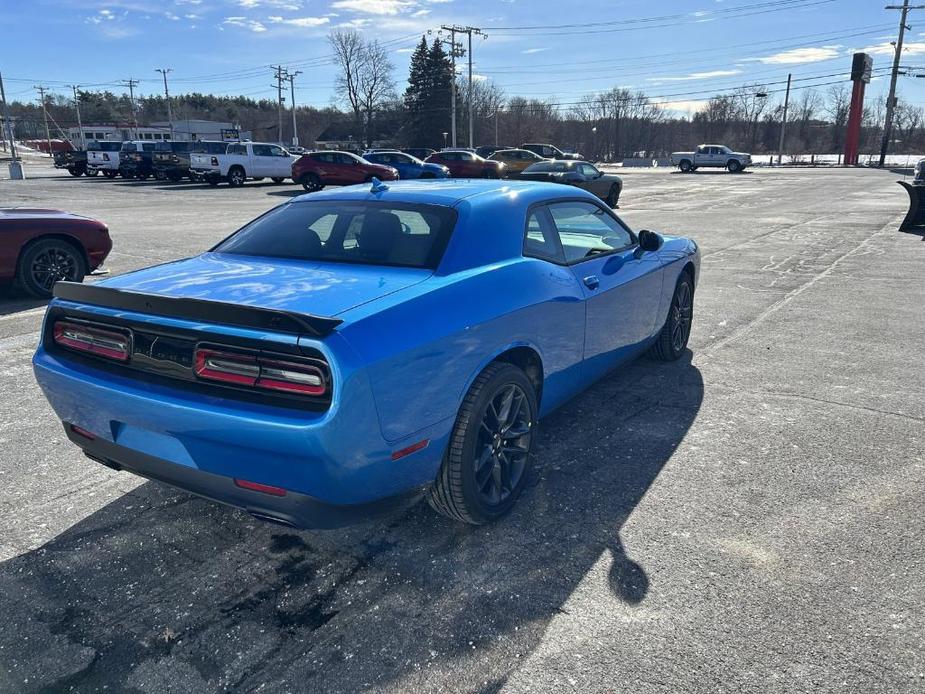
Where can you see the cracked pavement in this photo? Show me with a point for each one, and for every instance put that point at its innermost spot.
(748, 519)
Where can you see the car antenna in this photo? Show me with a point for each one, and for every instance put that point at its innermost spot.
(378, 186)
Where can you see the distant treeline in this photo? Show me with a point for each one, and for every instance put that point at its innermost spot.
(608, 125)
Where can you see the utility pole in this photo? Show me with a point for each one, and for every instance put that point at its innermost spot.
(295, 130)
(783, 124)
(891, 99)
(496, 126)
(280, 74)
(131, 84)
(8, 123)
(80, 127)
(164, 72)
(469, 31)
(41, 90)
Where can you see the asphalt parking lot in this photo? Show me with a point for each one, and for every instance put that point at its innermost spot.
(748, 519)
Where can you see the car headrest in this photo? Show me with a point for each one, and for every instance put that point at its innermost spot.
(378, 234)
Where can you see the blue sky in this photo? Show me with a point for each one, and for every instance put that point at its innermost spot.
(676, 50)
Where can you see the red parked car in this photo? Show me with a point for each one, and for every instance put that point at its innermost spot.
(464, 164)
(39, 247)
(316, 170)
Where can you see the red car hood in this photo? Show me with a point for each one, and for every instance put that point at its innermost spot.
(36, 213)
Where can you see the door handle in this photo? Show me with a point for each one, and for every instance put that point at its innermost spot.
(592, 282)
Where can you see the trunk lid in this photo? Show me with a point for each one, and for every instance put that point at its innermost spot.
(308, 287)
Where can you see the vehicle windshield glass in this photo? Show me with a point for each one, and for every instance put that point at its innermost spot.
(369, 233)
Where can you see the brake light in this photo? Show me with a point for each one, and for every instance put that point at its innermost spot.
(214, 161)
(93, 340)
(105, 156)
(175, 158)
(259, 371)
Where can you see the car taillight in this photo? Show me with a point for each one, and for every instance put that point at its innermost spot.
(105, 156)
(175, 159)
(259, 371)
(214, 161)
(92, 340)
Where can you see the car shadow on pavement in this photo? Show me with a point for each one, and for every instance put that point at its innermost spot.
(12, 300)
(161, 591)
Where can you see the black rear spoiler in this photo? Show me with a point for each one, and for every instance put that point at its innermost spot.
(239, 315)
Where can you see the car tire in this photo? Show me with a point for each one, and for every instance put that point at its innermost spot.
(686, 166)
(74, 171)
(46, 261)
(480, 478)
(277, 179)
(613, 197)
(673, 337)
(92, 172)
(733, 166)
(311, 182)
(109, 173)
(236, 177)
(212, 181)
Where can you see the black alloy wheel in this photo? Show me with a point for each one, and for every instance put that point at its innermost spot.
(488, 459)
(672, 340)
(685, 166)
(46, 262)
(236, 177)
(733, 166)
(311, 183)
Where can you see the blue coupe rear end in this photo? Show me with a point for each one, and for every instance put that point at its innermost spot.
(311, 368)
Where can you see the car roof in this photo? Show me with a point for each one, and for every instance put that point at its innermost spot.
(449, 192)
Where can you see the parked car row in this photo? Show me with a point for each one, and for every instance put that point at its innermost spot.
(235, 163)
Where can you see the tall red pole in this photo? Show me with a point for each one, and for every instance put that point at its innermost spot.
(855, 113)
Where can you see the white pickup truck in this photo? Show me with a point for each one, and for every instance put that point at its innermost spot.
(711, 155)
(104, 157)
(243, 160)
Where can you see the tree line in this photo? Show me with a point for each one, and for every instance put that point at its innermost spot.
(605, 126)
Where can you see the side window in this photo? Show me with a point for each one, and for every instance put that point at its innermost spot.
(345, 159)
(263, 150)
(449, 156)
(148, 147)
(540, 238)
(588, 170)
(586, 230)
(466, 156)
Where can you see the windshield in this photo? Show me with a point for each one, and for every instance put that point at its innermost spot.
(369, 233)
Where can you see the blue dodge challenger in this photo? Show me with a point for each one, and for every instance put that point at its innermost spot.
(355, 346)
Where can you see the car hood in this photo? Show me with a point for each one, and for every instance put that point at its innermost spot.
(430, 166)
(301, 286)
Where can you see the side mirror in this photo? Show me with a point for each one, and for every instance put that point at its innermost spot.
(649, 241)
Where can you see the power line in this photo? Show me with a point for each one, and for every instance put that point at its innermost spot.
(891, 99)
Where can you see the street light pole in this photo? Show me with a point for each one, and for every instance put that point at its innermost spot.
(783, 124)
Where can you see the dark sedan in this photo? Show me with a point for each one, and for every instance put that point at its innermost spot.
(40, 247)
(577, 173)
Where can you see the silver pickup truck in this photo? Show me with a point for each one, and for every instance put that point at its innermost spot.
(711, 155)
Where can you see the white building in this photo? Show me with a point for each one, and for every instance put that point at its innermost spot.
(185, 130)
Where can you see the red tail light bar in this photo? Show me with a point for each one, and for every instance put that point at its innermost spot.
(92, 340)
(259, 371)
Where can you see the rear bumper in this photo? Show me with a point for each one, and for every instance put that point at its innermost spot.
(293, 509)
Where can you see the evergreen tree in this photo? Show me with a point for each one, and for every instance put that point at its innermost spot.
(416, 94)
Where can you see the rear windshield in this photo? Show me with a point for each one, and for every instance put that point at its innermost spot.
(128, 146)
(108, 146)
(209, 147)
(368, 233)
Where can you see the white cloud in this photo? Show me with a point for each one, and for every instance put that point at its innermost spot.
(886, 48)
(420, 13)
(530, 51)
(300, 21)
(684, 106)
(380, 7)
(172, 17)
(277, 4)
(696, 76)
(797, 56)
(245, 23)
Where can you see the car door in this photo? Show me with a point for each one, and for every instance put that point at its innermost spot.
(348, 169)
(262, 163)
(593, 180)
(621, 284)
(279, 163)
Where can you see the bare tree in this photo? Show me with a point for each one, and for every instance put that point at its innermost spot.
(375, 84)
(349, 51)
